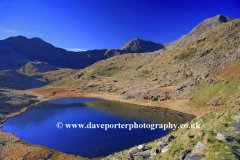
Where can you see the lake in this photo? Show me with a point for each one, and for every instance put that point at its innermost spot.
(38, 125)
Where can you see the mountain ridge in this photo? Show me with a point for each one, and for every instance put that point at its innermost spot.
(204, 26)
(36, 49)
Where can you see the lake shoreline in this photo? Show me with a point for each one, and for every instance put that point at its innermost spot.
(46, 94)
(57, 93)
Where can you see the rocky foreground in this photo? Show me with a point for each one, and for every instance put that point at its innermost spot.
(217, 138)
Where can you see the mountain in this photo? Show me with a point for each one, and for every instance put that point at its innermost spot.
(204, 26)
(15, 52)
(140, 46)
(35, 49)
(135, 46)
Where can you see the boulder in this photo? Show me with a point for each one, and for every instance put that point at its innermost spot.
(222, 137)
(142, 154)
(198, 148)
(184, 153)
(180, 87)
(165, 149)
(170, 137)
(161, 144)
(205, 75)
(193, 157)
(141, 146)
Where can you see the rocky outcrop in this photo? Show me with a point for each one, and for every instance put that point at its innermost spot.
(143, 153)
(193, 157)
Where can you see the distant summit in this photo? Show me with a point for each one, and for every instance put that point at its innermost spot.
(139, 46)
(204, 26)
(135, 46)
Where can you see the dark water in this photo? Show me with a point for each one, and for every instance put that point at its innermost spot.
(38, 125)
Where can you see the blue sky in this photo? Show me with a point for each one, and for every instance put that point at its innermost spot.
(98, 24)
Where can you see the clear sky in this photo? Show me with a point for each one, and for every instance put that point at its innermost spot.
(98, 24)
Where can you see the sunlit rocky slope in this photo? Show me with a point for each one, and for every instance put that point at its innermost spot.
(202, 69)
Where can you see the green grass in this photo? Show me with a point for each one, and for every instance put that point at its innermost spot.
(28, 69)
(207, 93)
(108, 73)
(184, 56)
(145, 73)
(65, 83)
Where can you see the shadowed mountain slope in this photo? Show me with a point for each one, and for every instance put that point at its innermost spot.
(35, 49)
(15, 52)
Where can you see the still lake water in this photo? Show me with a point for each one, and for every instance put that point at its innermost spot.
(38, 125)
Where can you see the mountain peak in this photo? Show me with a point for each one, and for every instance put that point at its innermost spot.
(139, 46)
(223, 19)
(17, 37)
(20, 37)
(210, 23)
(206, 25)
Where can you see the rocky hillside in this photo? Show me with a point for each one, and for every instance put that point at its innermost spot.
(213, 140)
